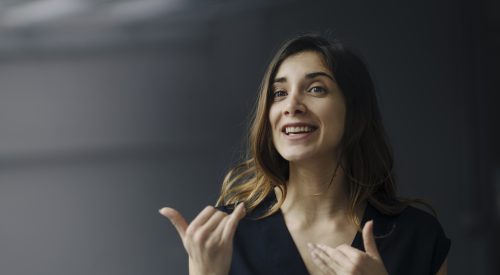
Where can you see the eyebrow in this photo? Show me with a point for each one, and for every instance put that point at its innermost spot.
(308, 76)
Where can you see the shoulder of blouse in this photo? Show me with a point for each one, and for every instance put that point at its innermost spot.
(412, 220)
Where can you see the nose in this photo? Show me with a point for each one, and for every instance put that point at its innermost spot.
(294, 106)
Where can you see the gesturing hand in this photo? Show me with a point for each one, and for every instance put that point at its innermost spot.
(208, 239)
(345, 259)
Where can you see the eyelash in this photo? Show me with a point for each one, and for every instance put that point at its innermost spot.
(275, 94)
(323, 90)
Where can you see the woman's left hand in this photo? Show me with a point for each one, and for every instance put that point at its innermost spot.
(345, 259)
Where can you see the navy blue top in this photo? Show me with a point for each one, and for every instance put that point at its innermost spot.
(412, 242)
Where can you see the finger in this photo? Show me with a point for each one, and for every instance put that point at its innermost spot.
(321, 264)
(354, 255)
(323, 261)
(176, 219)
(338, 256)
(369, 240)
(213, 221)
(205, 235)
(217, 232)
(201, 219)
(232, 221)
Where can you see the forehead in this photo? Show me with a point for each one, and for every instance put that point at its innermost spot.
(302, 63)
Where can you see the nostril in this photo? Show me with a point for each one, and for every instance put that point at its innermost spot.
(293, 108)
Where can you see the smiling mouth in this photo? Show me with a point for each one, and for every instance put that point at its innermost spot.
(295, 130)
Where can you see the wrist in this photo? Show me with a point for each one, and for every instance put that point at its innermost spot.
(198, 270)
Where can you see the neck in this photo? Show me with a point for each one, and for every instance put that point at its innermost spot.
(316, 193)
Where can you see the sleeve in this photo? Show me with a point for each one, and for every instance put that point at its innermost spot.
(442, 246)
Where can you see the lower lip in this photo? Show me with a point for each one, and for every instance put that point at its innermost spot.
(301, 136)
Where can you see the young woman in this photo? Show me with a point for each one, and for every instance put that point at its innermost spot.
(316, 194)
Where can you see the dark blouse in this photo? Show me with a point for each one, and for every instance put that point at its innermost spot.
(412, 242)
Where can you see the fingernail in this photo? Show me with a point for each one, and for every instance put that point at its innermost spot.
(243, 205)
(164, 212)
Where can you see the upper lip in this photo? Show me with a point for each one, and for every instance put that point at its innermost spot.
(297, 124)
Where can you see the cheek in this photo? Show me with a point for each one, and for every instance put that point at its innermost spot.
(273, 117)
(337, 117)
(334, 119)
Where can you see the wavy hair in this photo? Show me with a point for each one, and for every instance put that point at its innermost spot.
(365, 154)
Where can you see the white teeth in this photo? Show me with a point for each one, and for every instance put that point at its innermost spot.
(301, 129)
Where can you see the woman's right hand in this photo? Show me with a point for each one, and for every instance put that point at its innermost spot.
(208, 239)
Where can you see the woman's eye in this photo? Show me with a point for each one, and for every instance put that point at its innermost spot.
(317, 90)
(279, 94)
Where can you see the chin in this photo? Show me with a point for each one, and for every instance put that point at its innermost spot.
(296, 156)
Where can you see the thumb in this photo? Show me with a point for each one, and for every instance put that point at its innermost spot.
(176, 219)
(369, 240)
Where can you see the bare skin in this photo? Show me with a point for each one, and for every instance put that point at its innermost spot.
(315, 207)
(208, 239)
(315, 211)
(307, 120)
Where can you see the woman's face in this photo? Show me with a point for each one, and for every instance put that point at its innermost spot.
(307, 110)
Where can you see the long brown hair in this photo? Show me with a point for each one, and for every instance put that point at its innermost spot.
(365, 153)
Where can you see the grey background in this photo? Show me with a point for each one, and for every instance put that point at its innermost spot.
(105, 120)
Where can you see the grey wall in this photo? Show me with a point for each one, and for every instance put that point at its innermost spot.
(94, 140)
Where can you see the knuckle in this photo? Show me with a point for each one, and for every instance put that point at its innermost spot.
(189, 232)
(211, 244)
(208, 244)
(220, 214)
(206, 211)
(224, 214)
(356, 259)
(199, 237)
